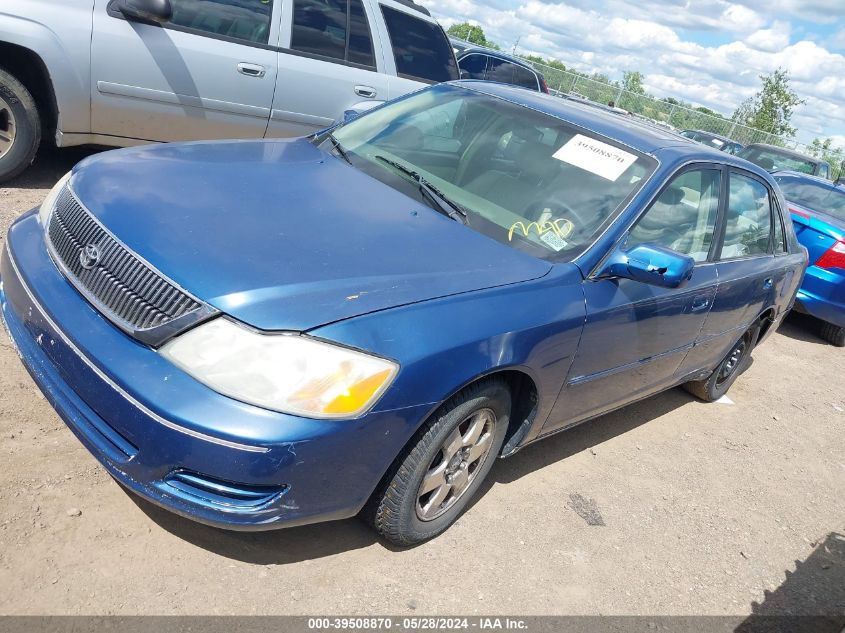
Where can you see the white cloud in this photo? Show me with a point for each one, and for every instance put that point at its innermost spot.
(655, 37)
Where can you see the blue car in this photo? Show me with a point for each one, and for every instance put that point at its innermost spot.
(259, 334)
(817, 207)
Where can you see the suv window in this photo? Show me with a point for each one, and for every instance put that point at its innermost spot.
(473, 66)
(337, 29)
(824, 171)
(748, 229)
(421, 48)
(683, 218)
(525, 78)
(237, 19)
(509, 73)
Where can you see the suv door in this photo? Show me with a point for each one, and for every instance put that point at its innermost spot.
(636, 336)
(209, 72)
(329, 63)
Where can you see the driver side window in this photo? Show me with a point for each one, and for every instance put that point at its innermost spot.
(683, 218)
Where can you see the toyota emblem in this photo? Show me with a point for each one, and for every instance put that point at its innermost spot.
(89, 256)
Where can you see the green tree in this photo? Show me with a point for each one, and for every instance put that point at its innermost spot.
(632, 81)
(471, 33)
(771, 109)
(825, 150)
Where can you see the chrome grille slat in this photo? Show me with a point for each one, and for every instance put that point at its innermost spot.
(122, 286)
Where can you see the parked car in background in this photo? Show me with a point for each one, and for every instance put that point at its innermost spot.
(489, 65)
(376, 312)
(124, 72)
(817, 207)
(722, 143)
(773, 158)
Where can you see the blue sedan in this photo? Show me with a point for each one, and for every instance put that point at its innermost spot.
(259, 334)
(817, 207)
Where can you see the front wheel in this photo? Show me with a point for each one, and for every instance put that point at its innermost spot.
(718, 383)
(435, 478)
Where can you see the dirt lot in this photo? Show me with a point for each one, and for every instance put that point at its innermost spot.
(707, 509)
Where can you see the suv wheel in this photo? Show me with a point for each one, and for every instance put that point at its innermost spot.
(431, 483)
(20, 127)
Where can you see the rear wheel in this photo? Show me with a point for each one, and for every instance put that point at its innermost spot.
(833, 334)
(20, 127)
(436, 477)
(736, 361)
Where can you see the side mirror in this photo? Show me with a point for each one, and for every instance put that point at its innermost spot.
(650, 264)
(157, 11)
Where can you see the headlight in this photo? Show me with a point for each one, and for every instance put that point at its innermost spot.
(50, 201)
(283, 372)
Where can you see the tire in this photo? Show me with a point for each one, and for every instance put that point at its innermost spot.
(398, 510)
(20, 127)
(717, 384)
(833, 334)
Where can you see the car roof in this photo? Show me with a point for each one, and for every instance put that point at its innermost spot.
(788, 152)
(714, 135)
(808, 177)
(646, 138)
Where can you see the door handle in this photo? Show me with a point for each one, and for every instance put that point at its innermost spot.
(251, 70)
(367, 92)
(700, 303)
(768, 283)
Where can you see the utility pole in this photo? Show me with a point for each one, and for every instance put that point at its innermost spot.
(515, 44)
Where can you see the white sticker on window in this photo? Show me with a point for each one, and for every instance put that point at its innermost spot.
(596, 157)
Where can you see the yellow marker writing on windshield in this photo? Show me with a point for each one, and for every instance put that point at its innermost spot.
(560, 227)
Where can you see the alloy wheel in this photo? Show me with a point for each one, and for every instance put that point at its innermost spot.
(7, 127)
(456, 464)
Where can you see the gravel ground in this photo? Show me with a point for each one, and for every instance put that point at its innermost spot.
(670, 506)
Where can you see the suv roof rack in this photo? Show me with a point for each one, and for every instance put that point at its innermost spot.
(415, 6)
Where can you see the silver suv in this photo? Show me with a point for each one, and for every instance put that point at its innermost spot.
(124, 72)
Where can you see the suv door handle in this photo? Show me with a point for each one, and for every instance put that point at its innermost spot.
(251, 70)
(367, 92)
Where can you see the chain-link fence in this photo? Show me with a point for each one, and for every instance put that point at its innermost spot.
(563, 83)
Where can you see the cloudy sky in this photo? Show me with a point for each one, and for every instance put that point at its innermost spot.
(709, 52)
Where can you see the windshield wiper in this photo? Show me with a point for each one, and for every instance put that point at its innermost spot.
(338, 148)
(437, 198)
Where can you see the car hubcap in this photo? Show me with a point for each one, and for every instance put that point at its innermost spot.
(7, 128)
(456, 464)
(732, 362)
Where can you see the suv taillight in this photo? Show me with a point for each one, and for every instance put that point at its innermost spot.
(834, 257)
(544, 86)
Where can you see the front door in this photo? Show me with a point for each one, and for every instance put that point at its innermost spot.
(636, 335)
(208, 73)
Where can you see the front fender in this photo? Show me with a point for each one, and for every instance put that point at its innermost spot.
(444, 344)
(60, 34)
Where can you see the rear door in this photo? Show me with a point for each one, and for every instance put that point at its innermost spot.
(330, 62)
(208, 73)
(753, 273)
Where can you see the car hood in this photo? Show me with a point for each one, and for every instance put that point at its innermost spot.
(283, 236)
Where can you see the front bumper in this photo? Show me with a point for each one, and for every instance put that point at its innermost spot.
(822, 295)
(169, 438)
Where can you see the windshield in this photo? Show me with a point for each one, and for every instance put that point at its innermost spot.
(526, 179)
(772, 160)
(815, 196)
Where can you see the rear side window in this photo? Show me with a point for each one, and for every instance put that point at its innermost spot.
(748, 229)
(420, 48)
(824, 171)
(525, 78)
(249, 21)
(336, 29)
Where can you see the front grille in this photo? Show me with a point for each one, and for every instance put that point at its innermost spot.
(123, 287)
